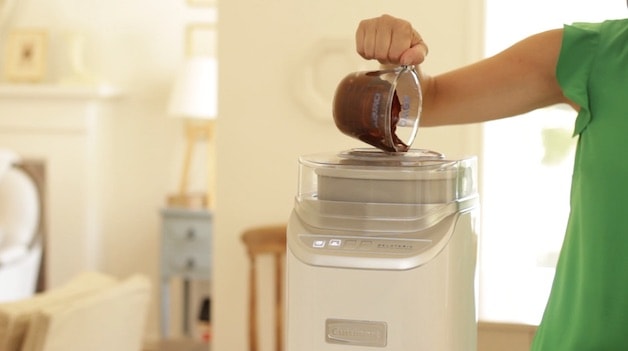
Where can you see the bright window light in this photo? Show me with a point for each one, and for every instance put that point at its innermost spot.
(527, 165)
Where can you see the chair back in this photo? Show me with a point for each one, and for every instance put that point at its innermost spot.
(266, 240)
(20, 207)
(22, 228)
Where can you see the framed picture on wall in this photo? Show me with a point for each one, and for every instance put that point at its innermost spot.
(200, 40)
(25, 55)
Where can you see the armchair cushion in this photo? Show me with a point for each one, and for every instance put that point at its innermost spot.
(109, 319)
(15, 316)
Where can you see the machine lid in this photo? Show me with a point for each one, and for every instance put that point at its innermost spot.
(379, 165)
(375, 171)
(379, 191)
(375, 158)
(370, 155)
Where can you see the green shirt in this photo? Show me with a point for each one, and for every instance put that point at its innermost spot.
(588, 304)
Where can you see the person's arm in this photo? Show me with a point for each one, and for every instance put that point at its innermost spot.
(517, 80)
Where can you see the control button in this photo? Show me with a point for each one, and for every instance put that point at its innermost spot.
(335, 242)
(365, 244)
(350, 244)
(318, 244)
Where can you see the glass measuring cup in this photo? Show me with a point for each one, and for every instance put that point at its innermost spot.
(381, 108)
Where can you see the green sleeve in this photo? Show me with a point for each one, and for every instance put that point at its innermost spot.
(575, 62)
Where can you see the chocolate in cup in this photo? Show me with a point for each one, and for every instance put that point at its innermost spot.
(381, 108)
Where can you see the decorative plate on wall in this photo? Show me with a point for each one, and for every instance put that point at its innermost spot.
(322, 68)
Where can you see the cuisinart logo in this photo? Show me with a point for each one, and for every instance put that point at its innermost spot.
(350, 332)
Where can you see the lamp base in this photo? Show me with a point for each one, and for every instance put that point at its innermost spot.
(189, 201)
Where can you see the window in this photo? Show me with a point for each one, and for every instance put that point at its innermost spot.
(527, 165)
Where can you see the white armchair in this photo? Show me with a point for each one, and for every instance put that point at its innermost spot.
(21, 237)
(91, 312)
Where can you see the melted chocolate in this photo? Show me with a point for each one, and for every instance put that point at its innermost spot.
(360, 111)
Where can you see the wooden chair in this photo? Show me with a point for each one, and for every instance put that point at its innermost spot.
(266, 240)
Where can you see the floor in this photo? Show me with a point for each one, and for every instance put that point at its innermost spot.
(178, 345)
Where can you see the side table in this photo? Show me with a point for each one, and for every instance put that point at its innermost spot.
(186, 249)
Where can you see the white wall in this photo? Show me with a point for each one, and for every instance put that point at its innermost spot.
(136, 46)
(263, 128)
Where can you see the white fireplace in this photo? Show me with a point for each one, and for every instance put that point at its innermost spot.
(67, 128)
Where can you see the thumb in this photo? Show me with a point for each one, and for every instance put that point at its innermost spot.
(416, 54)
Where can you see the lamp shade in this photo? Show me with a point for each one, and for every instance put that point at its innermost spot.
(195, 91)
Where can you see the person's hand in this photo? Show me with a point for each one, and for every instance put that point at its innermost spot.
(390, 40)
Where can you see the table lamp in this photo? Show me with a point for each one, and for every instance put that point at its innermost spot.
(194, 97)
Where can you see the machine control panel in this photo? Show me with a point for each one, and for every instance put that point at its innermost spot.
(327, 244)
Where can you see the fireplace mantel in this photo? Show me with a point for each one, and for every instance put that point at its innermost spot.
(70, 129)
(58, 91)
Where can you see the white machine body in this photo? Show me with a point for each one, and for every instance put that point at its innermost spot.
(382, 252)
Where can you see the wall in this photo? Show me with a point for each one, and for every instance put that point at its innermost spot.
(135, 46)
(267, 120)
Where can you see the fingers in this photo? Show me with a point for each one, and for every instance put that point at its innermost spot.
(374, 38)
(416, 54)
(390, 41)
(365, 38)
(402, 38)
